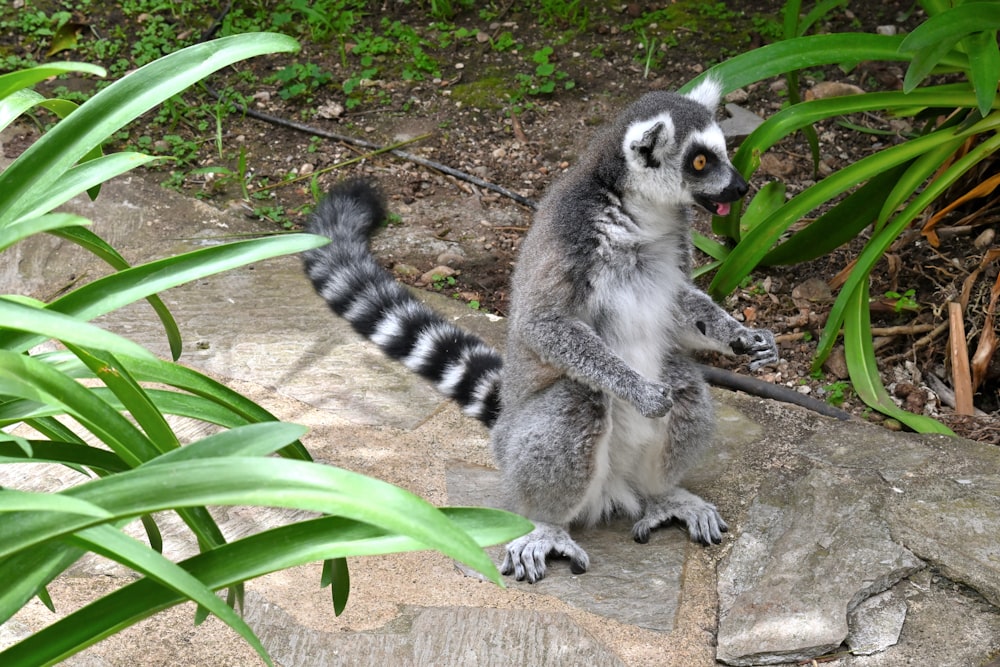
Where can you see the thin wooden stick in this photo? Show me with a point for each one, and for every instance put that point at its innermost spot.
(961, 376)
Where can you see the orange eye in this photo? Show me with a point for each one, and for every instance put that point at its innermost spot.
(699, 162)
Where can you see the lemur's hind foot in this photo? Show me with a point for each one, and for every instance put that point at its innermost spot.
(525, 557)
(704, 523)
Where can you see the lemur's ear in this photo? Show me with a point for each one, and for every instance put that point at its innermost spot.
(647, 140)
(708, 93)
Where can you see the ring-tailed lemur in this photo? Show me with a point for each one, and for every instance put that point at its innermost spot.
(598, 408)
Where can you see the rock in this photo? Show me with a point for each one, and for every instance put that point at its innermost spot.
(776, 166)
(740, 123)
(437, 273)
(836, 363)
(875, 624)
(825, 89)
(954, 524)
(832, 521)
(450, 259)
(812, 290)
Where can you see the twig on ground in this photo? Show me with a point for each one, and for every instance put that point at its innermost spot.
(961, 377)
(416, 159)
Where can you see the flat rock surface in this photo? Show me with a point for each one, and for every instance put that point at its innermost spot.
(843, 535)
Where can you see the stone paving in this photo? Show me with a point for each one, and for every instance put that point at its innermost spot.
(875, 548)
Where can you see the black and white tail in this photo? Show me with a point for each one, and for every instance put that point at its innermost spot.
(344, 273)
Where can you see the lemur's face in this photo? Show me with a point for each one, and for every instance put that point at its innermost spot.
(679, 153)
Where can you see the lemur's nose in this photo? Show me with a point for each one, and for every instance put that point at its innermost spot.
(737, 187)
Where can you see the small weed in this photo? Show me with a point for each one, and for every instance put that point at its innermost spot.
(837, 392)
(300, 80)
(440, 282)
(545, 79)
(904, 301)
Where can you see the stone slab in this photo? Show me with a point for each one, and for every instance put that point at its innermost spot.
(810, 551)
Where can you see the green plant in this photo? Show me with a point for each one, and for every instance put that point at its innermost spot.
(439, 282)
(837, 392)
(136, 469)
(888, 190)
(300, 80)
(544, 79)
(904, 301)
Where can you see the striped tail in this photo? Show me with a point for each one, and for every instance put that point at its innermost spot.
(346, 275)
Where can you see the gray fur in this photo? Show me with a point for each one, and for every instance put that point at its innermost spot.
(601, 408)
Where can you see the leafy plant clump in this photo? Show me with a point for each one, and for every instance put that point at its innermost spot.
(113, 428)
(880, 196)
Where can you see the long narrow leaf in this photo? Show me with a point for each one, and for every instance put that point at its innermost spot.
(81, 178)
(26, 78)
(43, 324)
(46, 451)
(913, 178)
(952, 25)
(276, 549)
(878, 244)
(250, 481)
(31, 226)
(133, 397)
(12, 500)
(802, 52)
(43, 164)
(99, 247)
(20, 375)
(757, 243)
(863, 369)
(233, 408)
(124, 287)
(115, 545)
(249, 440)
(984, 67)
(838, 225)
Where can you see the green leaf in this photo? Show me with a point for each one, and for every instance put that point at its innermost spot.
(984, 67)
(115, 545)
(839, 225)
(880, 242)
(28, 378)
(47, 451)
(952, 25)
(710, 247)
(799, 53)
(124, 287)
(133, 397)
(279, 548)
(249, 440)
(39, 169)
(42, 324)
(82, 178)
(241, 409)
(30, 226)
(338, 578)
(767, 200)
(12, 500)
(96, 245)
(14, 81)
(860, 353)
(755, 245)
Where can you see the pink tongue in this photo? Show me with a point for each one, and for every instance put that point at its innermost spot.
(721, 208)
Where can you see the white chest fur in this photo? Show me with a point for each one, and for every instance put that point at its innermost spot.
(636, 285)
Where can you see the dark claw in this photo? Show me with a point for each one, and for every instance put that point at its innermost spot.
(576, 566)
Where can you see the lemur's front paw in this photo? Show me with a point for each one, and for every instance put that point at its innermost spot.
(759, 345)
(654, 400)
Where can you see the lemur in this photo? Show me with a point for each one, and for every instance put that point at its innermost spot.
(598, 409)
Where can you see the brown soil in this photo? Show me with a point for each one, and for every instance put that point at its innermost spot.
(464, 122)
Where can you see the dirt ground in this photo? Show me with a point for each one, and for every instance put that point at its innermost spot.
(462, 238)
